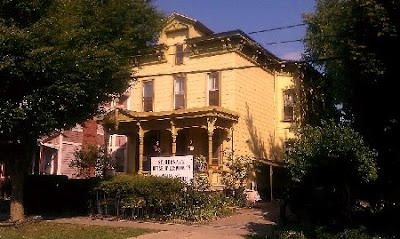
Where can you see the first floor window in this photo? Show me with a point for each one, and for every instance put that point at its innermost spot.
(288, 105)
(213, 88)
(148, 96)
(179, 92)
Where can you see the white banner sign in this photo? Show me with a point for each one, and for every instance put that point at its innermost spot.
(176, 166)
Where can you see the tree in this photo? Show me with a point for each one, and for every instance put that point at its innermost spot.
(332, 158)
(59, 60)
(359, 40)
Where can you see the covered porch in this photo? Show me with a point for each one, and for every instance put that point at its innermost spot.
(203, 131)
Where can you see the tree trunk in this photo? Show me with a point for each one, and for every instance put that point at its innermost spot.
(17, 195)
(20, 159)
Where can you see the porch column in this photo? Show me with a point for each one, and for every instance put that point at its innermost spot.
(210, 144)
(173, 135)
(141, 148)
(210, 128)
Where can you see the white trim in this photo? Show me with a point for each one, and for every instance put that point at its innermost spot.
(59, 155)
(52, 146)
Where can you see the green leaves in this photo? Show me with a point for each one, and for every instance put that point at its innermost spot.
(331, 153)
(67, 57)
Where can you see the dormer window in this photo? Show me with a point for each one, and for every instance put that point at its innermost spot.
(179, 54)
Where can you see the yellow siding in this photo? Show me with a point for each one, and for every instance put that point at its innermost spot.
(282, 129)
(254, 98)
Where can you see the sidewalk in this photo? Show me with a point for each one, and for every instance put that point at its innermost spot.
(258, 220)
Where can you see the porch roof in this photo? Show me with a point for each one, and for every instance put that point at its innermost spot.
(117, 116)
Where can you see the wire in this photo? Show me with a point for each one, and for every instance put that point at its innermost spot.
(277, 28)
(284, 42)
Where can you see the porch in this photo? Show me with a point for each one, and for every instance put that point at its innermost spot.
(203, 131)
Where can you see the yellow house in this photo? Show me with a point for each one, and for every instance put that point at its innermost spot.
(203, 93)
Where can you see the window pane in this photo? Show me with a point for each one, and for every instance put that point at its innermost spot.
(148, 89)
(213, 81)
(213, 98)
(179, 86)
(179, 101)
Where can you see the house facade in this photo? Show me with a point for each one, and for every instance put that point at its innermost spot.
(203, 93)
(57, 151)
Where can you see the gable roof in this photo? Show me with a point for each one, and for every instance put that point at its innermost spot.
(182, 18)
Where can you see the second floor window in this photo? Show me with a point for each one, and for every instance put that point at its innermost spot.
(288, 105)
(179, 92)
(213, 88)
(179, 54)
(148, 96)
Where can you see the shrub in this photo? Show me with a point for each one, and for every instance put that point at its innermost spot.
(326, 167)
(165, 198)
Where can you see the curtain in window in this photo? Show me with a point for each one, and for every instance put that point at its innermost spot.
(213, 89)
(179, 89)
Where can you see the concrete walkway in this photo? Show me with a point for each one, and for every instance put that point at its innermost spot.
(257, 220)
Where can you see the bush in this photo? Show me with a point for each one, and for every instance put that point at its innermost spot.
(327, 166)
(160, 197)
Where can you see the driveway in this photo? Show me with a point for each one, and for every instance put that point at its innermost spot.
(246, 221)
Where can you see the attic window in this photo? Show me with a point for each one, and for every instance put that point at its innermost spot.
(179, 54)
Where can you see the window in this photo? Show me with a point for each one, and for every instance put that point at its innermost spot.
(213, 88)
(288, 105)
(179, 54)
(179, 92)
(148, 96)
(288, 146)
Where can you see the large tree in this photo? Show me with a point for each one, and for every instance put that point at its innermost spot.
(60, 59)
(355, 44)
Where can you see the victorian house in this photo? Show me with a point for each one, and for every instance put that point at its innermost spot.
(202, 93)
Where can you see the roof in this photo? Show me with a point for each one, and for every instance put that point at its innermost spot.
(192, 21)
(233, 33)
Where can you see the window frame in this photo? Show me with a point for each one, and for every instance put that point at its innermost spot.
(179, 54)
(183, 77)
(152, 95)
(285, 117)
(218, 74)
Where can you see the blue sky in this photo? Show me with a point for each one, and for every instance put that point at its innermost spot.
(248, 16)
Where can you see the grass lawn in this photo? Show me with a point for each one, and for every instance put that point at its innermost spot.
(48, 230)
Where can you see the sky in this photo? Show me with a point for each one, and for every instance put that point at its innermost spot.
(250, 16)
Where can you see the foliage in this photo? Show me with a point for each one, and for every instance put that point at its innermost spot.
(239, 169)
(93, 157)
(331, 148)
(164, 198)
(69, 231)
(326, 166)
(236, 177)
(359, 40)
(60, 59)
